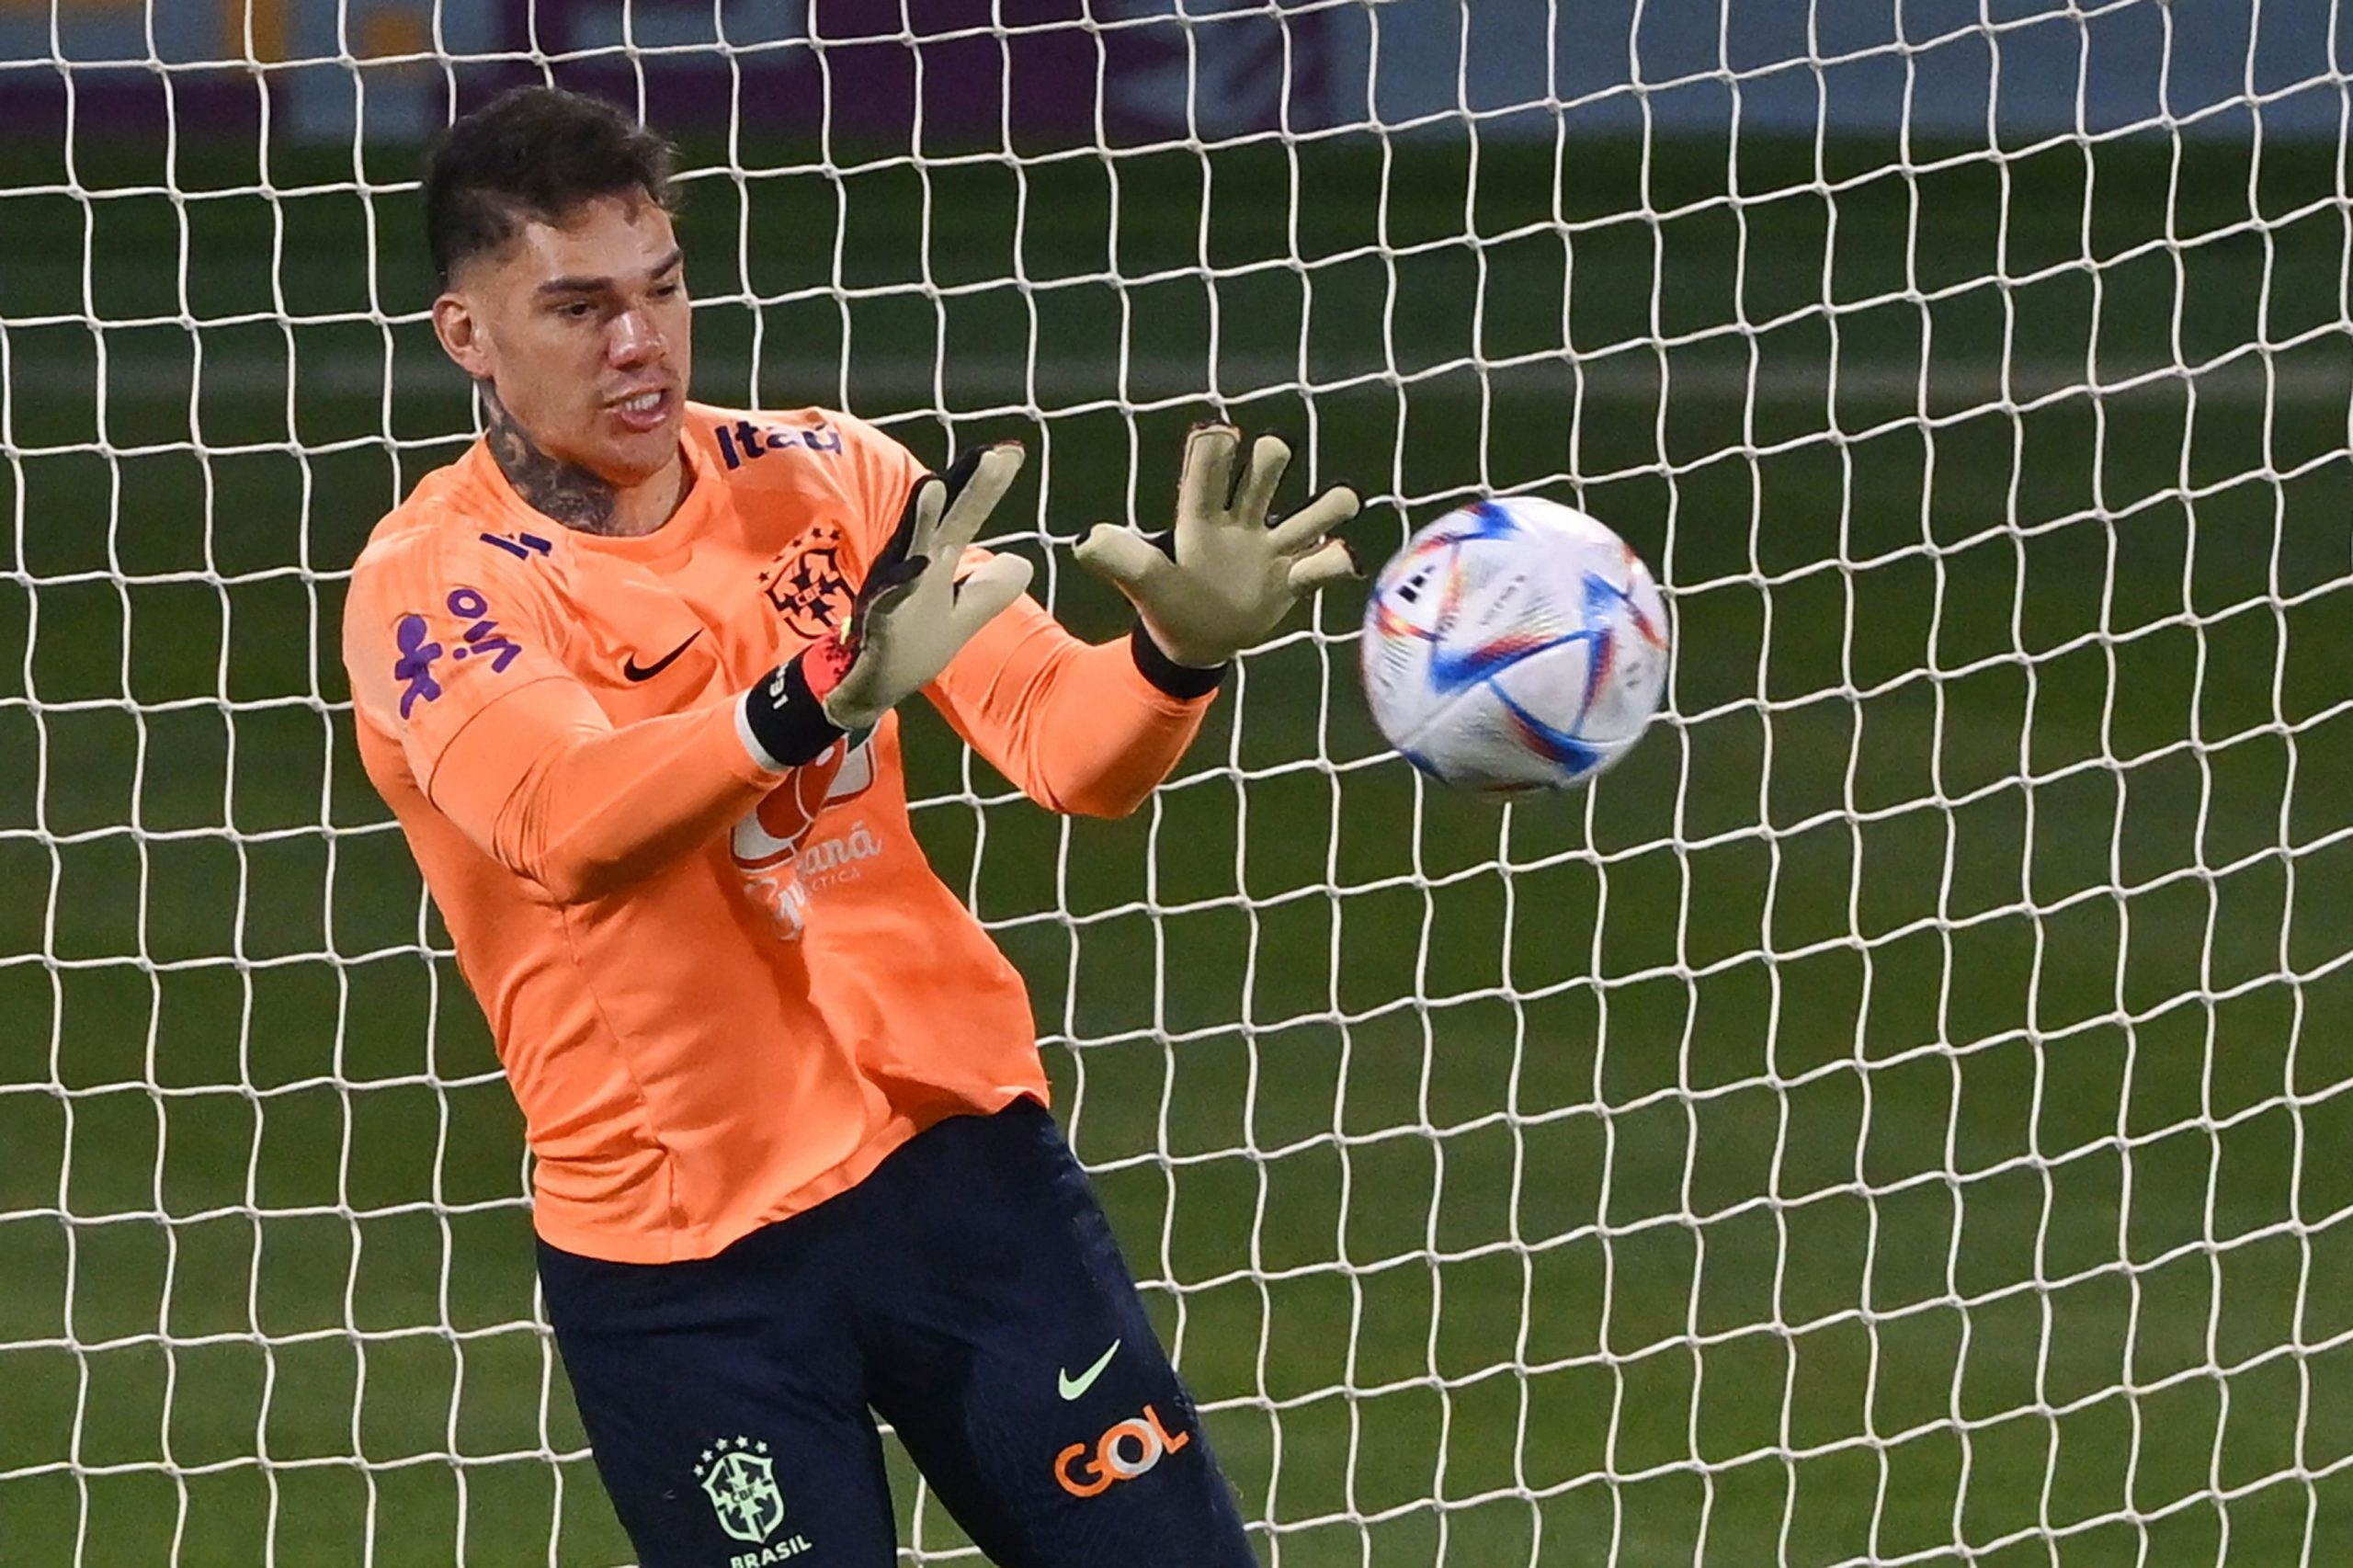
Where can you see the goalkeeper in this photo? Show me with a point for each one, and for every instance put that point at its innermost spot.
(625, 672)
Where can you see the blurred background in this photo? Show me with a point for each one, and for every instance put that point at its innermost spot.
(1899, 1116)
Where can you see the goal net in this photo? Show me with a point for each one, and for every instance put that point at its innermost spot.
(1899, 1116)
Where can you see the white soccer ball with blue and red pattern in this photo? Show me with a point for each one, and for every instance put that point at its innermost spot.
(1514, 645)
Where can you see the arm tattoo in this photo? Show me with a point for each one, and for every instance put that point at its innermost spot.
(564, 491)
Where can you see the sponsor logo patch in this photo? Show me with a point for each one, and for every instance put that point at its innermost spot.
(477, 638)
(779, 868)
(414, 665)
(743, 441)
(520, 545)
(1128, 1449)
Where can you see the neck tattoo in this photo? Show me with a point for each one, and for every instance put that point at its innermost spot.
(564, 491)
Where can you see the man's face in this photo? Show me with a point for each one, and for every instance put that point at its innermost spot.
(582, 329)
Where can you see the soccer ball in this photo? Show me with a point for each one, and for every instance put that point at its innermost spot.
(1514, 646)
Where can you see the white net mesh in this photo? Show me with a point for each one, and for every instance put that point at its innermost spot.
(1897, 1118)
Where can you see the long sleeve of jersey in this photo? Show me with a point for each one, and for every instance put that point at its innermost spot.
(507, 743)
(552, 791)
(1075, 725)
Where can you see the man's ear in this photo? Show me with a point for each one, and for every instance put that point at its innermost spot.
(460, 330)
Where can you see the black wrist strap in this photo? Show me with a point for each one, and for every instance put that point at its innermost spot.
(786, 718)
(1183, 682)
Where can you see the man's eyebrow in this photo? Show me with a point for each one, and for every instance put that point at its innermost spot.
(599, 285)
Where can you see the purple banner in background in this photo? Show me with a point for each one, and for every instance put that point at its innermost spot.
(941, 74)
(1033, 75)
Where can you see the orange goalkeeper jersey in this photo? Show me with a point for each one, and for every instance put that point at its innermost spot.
(722, 994)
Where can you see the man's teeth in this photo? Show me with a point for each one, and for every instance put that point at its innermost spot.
(644, 403)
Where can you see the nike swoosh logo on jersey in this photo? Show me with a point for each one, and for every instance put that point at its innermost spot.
(1073, 1386)
(636, 671)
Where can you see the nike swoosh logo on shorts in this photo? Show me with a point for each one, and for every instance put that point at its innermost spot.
(636, 671)
(1073, 1386)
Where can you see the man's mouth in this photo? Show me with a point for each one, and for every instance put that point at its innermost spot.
(643, 411)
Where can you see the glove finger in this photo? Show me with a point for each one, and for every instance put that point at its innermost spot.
(974, 485)
(1206, 479)
(903, 557)
(1269, 455)
(1332, 563)
(1303, 527)
(985, 591)
(959, 473)
(1126, 560)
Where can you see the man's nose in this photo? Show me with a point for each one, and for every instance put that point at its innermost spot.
(633, 339)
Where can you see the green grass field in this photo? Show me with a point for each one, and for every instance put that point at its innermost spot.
(1900, 1116)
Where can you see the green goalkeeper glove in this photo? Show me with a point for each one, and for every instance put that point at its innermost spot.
(912, 615)
(1233, 577)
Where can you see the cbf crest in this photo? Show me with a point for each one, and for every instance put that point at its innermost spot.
(807, 585)
(740, 1480)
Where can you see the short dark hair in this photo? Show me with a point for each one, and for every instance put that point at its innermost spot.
(533, 154)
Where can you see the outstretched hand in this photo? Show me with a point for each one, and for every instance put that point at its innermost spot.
(913, 613)
(1233, 577)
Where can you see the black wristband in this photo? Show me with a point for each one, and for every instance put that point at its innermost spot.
(1183, 682)
(786, 718)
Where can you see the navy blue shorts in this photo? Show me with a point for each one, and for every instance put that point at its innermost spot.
(970, 1293)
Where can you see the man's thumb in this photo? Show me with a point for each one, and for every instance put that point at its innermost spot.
(1121, 556)
(993, 583)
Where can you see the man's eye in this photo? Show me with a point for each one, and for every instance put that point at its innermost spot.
(667, 291)
(575, 310)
